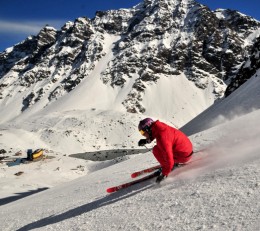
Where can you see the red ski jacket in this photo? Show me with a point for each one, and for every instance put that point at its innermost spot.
(172, 146)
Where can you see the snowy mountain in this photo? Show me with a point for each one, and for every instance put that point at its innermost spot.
(247, 98)
(122, 59)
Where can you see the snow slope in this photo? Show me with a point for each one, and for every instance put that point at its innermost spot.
(246, 100)
(220, 192)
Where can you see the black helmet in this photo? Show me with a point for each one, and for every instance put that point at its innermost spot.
(145, 124)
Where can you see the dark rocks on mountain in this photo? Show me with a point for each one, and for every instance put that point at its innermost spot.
(3, 151)
(28, 101)
(247, 70)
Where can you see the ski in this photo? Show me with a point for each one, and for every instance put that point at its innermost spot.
(150, 176)
(147, 170)
(126, 185)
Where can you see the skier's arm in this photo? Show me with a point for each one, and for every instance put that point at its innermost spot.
(163, 153)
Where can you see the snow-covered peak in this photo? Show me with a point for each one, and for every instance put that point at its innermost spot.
(221, 13)
(133, 56)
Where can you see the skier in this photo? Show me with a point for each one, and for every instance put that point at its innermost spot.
(173, 147)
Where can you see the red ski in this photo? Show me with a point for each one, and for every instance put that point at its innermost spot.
(150, 176)
(147, 170)
(126, 185)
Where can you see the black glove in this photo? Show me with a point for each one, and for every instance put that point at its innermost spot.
(142, 142)
(158, 172)
(160, 178)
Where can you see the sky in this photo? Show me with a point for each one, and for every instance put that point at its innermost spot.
(21, 18)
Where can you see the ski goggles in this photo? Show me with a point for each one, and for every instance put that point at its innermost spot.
(142, 132)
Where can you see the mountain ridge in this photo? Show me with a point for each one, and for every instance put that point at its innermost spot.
(151, 41)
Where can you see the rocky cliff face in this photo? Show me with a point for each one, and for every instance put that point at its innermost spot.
(249, 68)
(154, 39)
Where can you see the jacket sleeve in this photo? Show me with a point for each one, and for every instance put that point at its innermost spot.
(164, 154)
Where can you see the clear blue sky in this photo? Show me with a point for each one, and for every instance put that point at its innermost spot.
(21, 18)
